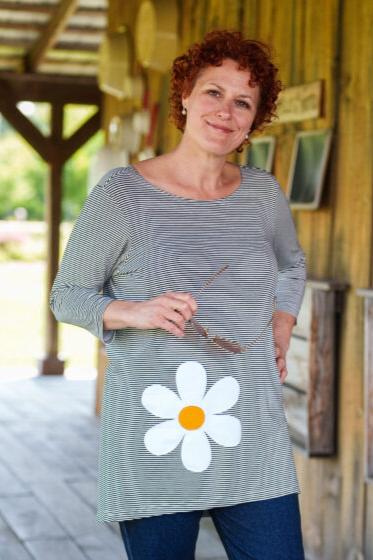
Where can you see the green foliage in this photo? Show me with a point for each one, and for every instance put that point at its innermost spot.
(24, 175)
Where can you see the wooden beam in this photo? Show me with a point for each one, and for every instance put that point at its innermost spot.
(69, 68)
(22, 43)
(16, 42)
(22, 124)
(10, 63)
(86, 30)
(51, 89)
(57, 122)
(42, 8)
(77, 46)
(50, 149)
(80, 137)
(49, 37)
(70, 58)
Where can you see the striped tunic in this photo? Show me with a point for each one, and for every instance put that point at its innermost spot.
(186, 425)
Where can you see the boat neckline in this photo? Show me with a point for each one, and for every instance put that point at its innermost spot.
(176, 196)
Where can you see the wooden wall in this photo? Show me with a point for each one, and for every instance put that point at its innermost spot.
(329, 40)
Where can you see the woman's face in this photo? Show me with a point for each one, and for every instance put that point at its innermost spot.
(221, 108)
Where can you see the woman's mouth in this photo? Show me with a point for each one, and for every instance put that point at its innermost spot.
(219, 127)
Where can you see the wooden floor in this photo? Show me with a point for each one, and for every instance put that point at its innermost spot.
(48, 458)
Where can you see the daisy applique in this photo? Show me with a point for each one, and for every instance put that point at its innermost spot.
(192, 415)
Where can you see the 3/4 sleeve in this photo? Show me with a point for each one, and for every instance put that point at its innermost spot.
(98, 238)
(291, 259)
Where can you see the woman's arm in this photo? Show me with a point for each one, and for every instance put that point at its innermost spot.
(290, 257)
(98, 238)
(96, 243)
(168, 311)
(291, 279)
(283, 324)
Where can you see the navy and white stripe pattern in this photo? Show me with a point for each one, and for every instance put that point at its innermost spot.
(134, 241)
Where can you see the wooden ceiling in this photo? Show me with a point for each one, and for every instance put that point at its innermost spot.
(51, 37)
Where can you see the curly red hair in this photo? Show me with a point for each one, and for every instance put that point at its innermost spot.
(216, 46)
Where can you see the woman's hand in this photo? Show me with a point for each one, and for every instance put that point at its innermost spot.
(169, 311)
(283, 324)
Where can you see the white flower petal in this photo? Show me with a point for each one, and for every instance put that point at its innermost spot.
(221, 396)
(224, 430)
(196, 451)
(161, 401)
(163, 438)
(191, 382)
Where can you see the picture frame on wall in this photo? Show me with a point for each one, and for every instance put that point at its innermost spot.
(260, 153)
(307, 169)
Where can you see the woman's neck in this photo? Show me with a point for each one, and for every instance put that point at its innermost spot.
(204, 173)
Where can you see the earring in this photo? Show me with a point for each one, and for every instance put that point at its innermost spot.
(246, 143)
(184, 111)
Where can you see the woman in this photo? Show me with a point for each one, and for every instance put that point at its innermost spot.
(191, 253)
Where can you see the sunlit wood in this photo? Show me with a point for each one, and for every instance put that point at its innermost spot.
(50, 35)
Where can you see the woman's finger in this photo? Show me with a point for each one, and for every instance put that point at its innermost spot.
(184, 296)
(174, 316)
(280, 363)
(283, 375)
(170, 327)
(184, 306)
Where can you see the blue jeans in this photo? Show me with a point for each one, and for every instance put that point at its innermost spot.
(260, 530)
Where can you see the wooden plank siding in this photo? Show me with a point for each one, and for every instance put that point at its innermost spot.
(351, 260)
(368, 415)
(310, 389)
(327, 40)
(368, 380)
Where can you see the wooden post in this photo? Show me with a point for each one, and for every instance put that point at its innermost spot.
(55, 151)
(61, 150)
(51, 364)
(367, 294)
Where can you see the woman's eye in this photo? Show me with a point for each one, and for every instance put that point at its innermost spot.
(239, 102)
(243, 104)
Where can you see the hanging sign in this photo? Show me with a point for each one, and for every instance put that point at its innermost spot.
(300, 103)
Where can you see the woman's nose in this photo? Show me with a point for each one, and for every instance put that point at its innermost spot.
(224, 110)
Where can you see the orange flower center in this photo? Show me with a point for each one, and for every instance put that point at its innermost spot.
(191, 417)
